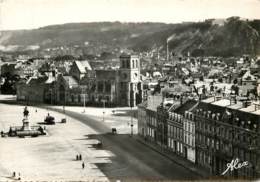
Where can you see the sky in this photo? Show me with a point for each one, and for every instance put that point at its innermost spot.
(28, 14)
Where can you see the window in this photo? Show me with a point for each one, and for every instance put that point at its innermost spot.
(108, 86)
(212, 143)
(123, 63)
(100, 86)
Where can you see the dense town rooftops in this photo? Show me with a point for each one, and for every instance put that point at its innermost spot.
(218, 108)
(125, 55)
(177, 89)
(37, 80)
(187, 106)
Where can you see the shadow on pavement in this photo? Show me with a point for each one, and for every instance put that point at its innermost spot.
(131, 160)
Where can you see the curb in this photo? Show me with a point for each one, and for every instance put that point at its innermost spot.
(167, 156)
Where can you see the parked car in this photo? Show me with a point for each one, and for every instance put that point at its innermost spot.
(49, 119)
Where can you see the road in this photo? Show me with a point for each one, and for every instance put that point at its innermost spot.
(132, 160)
(121, 157)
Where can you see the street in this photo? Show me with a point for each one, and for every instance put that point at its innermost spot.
(52, 156)
(132, 159)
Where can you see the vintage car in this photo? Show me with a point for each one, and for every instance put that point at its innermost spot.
(63, 120)
(49, 120)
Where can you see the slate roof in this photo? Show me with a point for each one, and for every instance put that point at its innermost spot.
(71, 81)
(185, 107)
(242, 115)
(34, 80)
(178, 88)
(83, 66)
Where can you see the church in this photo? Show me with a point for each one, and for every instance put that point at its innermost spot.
(115, 87)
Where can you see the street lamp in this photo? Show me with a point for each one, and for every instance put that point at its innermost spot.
(132, 101)
(132, 121)
(64, 102)
(103, 109)
(84, 98)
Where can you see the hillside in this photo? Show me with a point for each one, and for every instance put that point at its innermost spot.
(79, 33)
(234, 38)
(231, 38)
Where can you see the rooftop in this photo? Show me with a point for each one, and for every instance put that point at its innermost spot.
(83, 66)
(70, 80)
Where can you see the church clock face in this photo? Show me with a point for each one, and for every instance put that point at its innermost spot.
(135, 76)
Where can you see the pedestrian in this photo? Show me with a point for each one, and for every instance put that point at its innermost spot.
(35, 110)
(77, 157)
(80, 157)
(14, 174)
(83, 165)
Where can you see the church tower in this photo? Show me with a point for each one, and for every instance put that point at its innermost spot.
(129, 80)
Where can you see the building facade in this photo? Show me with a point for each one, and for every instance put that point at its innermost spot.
(84, 86)
(223, 135)
(189, 136)
(208, 134)
(130, 86)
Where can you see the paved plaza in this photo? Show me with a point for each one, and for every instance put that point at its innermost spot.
(52, 157)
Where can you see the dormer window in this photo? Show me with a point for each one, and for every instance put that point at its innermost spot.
(213, 116)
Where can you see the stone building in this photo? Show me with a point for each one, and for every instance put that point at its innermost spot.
(141, 115)
(123, 86)
(224, 134)
(33, 90)
(75, 88)
(208, 134)
(106, 87)
(130, 86)
(189, 136)
(83, 86)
